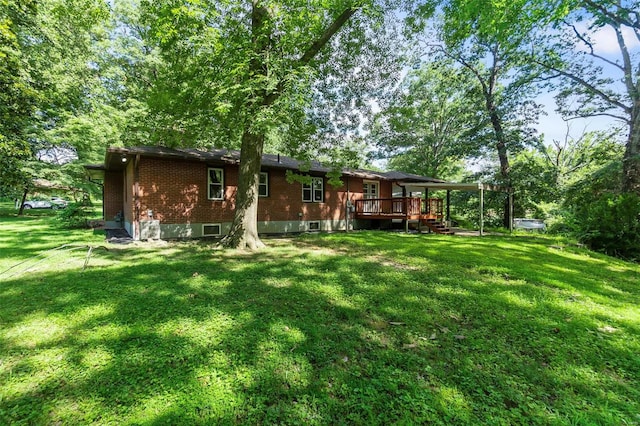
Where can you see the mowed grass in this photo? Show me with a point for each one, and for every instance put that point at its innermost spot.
(358, 328)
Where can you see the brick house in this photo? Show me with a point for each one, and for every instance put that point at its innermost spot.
(157, 192)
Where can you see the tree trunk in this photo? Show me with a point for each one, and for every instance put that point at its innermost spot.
(244, 229)
(631, 159)
(24, 198)
(505, 168)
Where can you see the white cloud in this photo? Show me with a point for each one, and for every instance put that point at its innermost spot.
(605, 41)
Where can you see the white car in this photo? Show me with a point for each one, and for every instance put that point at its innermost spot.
(59, 202)
(55, 203)
(529, 224)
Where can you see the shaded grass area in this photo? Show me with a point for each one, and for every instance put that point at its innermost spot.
(362, 328)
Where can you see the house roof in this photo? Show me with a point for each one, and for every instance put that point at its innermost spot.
(117, 158)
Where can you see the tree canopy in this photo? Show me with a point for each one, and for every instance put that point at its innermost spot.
(320, 80)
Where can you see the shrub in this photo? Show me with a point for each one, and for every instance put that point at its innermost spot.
(75, 215)
(610, 223)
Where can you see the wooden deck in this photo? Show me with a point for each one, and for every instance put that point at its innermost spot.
(429, 213)
(405, 208)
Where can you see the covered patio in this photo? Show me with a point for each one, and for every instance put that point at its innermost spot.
(432, 212)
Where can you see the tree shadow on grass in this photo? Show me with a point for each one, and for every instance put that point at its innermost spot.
(188, 336)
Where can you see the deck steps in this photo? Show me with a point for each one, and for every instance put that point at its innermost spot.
(436, 226)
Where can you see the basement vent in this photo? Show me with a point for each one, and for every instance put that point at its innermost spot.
(211, 230)
(314, 226)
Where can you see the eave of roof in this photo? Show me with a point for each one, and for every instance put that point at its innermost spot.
(471, 186)
(114, 161)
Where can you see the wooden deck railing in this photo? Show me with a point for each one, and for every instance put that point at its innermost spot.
(399, 207)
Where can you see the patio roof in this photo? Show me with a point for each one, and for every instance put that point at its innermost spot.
(471, 186)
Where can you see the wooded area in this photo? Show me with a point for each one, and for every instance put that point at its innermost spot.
(428, 87)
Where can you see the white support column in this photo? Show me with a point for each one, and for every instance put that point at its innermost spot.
(481, 211)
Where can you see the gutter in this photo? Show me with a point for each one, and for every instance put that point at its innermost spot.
(136, 198)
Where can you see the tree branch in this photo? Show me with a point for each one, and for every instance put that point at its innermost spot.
(317, 45)
(313, 50)
(587, 86)
(616, 17)
(591, 48)
(464, 63)
(600, 114)
(628, 67)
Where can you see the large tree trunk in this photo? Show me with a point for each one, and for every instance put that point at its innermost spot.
(505, 168)
(631, 159)
(244, 229)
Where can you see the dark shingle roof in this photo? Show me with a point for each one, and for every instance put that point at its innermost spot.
(225, 156)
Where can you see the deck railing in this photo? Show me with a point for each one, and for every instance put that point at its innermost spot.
(398, 207)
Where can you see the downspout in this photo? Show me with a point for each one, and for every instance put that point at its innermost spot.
(136, 198)
(347, 206)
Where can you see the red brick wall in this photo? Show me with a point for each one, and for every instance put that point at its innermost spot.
(128, 193)
(355, 188)
(113, 193)
(176, 191)
(285, 203)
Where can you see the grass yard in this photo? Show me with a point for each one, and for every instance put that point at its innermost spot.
(359, 328)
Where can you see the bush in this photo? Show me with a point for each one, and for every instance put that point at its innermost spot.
(610, 223)
(75, 215)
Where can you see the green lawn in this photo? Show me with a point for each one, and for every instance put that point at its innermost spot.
(359, 328)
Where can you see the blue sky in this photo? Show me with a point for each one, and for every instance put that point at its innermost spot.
(606, 45)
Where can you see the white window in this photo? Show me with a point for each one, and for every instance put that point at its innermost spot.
(314, 226)
(216, 184)
(313, 192)
(370, 189)
(263, 185)
(211, 230)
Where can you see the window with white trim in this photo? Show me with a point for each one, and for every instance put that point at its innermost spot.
(211, 230)
(216, 184)
(313, 192)
(263, 185)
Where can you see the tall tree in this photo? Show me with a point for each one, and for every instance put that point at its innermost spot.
(487, 38)
(432, 122)
(543, 174)
(48, 76)
(248, 71)
(18, 97)
(597, 82)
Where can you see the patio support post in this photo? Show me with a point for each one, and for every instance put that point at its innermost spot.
(481, 211)
(449, 206)
(406, 213)
(426, 201)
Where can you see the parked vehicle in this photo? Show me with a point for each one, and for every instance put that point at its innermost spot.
(61, 203)
(530, 224)
(55, 203)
